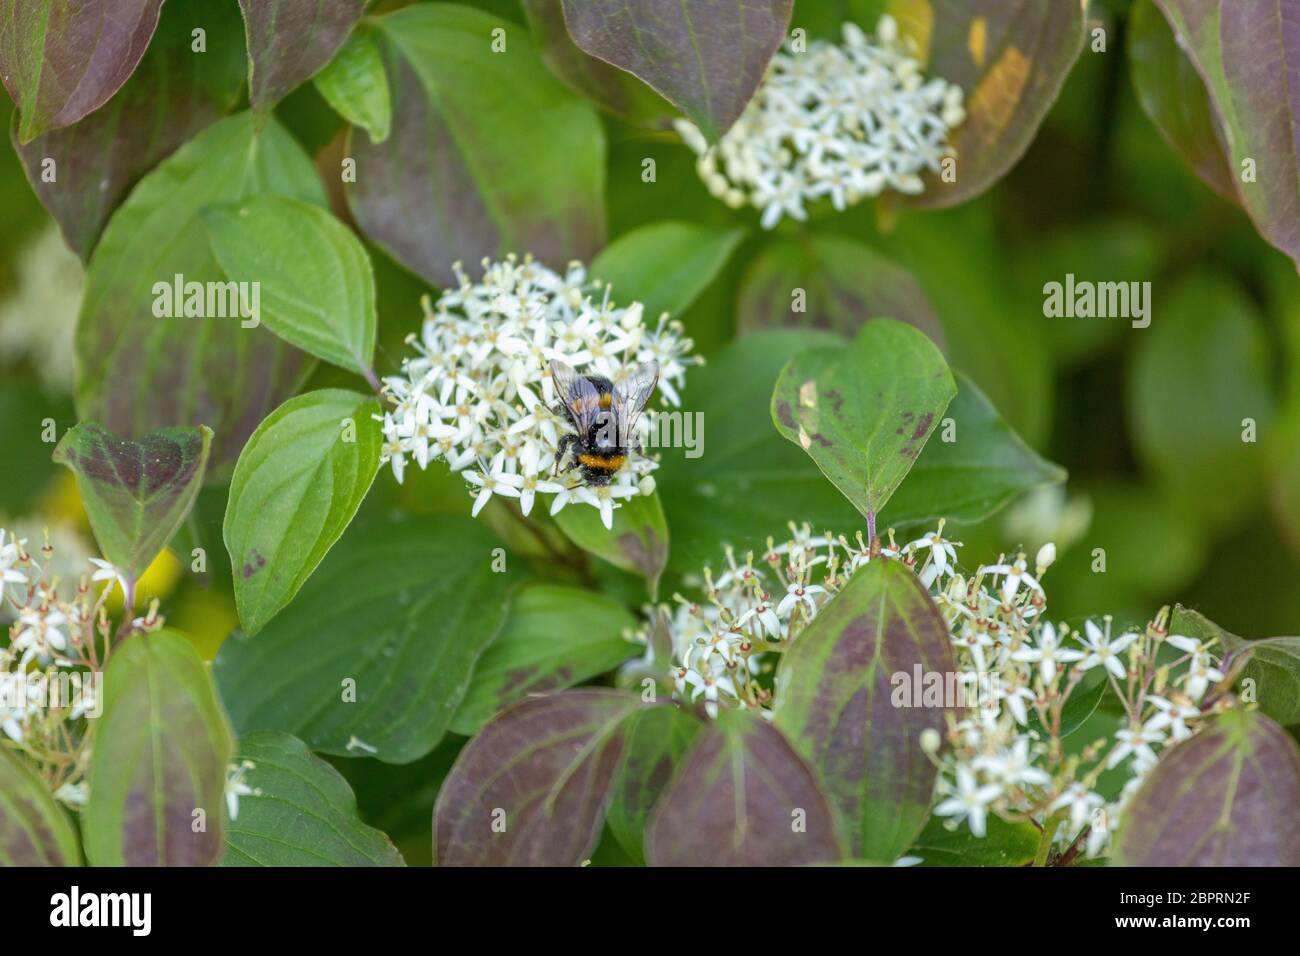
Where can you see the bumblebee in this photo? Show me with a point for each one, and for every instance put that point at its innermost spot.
(602, 416)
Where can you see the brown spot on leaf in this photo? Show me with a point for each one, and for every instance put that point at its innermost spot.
(783, 413)
(254, 563)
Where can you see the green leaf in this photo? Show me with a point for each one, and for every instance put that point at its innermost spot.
(298, 484)
(423, 593)
(161, 750)
(136, 493)
(755, 481)
(61, 60)
(1229, 796)
(171, 96)
(665, 266)
(638, 541)
(511, 161)
(1173, 95)
(1273, 663)
(555, 637)
(289, 40)
(834, 702)
(830, 283)
(658, 740)
(1005, 844)
(705, 56)
(612, 89)
(1246, 55)
(136, 371)
(864, 413)
(531, 789)
(1270, 664)
(301, 813)
(354, 84)
(1011, 60)
(742, 798)
(317, 290)
(978, 472)
(1197, 374)
(34, 829)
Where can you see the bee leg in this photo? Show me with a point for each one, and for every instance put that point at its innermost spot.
(566, 442)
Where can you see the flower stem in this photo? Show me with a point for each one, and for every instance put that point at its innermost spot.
(1045, 840)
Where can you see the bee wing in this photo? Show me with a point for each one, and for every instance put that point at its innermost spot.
(577, 393)
(631, 394)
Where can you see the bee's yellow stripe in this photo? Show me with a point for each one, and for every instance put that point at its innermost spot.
(603, 462)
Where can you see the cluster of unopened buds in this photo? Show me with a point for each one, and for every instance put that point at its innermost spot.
(839, 122)
(479, 394)
(1002, 753)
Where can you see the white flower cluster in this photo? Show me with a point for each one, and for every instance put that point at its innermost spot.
(50, 638)
(1004, 754)
(844, 122)
(479, 395)
(38, 318)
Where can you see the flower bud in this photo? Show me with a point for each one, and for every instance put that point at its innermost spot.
(1046, 557)
(930, 740)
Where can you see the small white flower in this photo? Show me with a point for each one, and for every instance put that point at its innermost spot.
(1172, 715)
(797, 593)
(104, 571)
(1134, 741)
(236, 787)
(1201, 672)
(971, 801)
(1047, 654)
(1015, 574)
(9, 556)
(1104, 651)
(1082, 802)
(1013, 766)
(496, 483)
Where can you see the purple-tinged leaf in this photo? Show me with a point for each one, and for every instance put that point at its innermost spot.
(161, 750)
(705, 56)
(1174, 97)
(844, 283)
(136, 493)
(289, 41)
(836, 703)
(1248, 55)
(63, 59)
(488, 152)
(1229, 796)
(743, 798)
(614, 90)
(863, 413)
(1011, 58)
(555, 637)
(531, 789)
(658, 740)
(34, 829)
(173, 94)
(144, 359)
